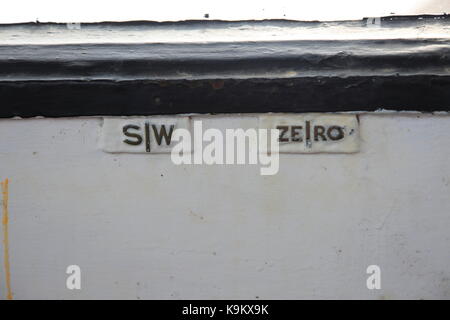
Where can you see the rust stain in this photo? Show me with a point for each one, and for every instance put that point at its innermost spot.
(5, 218)
(218, 84)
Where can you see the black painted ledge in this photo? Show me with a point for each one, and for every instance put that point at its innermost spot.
(101, 79)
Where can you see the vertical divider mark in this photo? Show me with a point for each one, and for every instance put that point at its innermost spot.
(147, 137)
(308, 133)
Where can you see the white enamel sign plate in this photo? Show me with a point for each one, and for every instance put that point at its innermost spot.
(298, 133)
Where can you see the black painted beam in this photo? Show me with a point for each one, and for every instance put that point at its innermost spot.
(426, 93)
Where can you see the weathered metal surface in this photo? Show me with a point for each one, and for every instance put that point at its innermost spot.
(91, 77)
(238, 60)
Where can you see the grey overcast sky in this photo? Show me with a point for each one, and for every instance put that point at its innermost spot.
(164, 10)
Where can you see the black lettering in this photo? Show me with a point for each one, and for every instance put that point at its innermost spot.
(138, 137)
(163, 133)
(295, 135)
(283, 129)
(319, 131)
(335, 133)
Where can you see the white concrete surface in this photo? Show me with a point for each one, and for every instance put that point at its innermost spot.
(141, 227)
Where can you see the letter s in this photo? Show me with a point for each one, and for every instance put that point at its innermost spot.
(138, 137)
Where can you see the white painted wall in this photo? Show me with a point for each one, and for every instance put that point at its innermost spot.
(141, 227)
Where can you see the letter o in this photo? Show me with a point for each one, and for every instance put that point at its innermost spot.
(332, 135)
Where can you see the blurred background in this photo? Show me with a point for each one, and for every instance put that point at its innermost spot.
(166, 10)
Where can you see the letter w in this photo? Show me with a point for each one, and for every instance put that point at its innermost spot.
(162, 133)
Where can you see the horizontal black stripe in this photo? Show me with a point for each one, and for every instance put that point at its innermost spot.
(144, 97)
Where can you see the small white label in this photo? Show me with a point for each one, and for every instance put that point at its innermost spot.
(314, 133)
(140, 135)
(298, 133)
